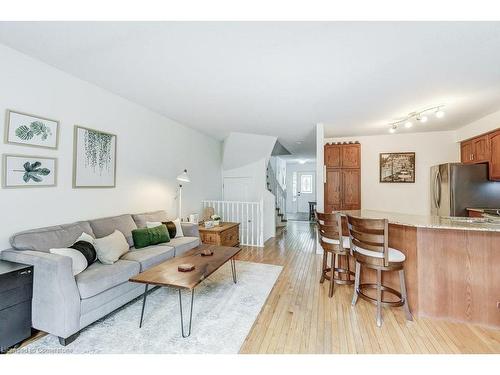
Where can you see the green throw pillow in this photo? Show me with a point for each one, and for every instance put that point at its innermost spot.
(150, 236)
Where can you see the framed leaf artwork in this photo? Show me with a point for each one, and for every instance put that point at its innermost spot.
(28, 171)
(94, 159)
(31, 130)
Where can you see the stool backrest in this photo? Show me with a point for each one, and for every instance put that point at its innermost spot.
(329, 228)
(369, 234)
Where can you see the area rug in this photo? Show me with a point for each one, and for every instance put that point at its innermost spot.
(223, 315)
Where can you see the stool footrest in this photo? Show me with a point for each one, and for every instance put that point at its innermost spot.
(327, 272)
(399, 302)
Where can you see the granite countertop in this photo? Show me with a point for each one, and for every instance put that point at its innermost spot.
(428, 221)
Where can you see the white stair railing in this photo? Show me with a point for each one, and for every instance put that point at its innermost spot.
(281, 200)
(250, 215)
(275, 188)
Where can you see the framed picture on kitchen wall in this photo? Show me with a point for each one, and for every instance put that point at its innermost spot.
(28, 171)
(31, 130)
(397, 167)
(94, 159)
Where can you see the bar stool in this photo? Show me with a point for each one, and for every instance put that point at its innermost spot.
(370, 246)
(332, 242)
(312, 210)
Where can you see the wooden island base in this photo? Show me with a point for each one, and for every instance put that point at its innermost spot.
(450, 274)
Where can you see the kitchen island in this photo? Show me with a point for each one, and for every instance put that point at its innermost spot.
(452, 265)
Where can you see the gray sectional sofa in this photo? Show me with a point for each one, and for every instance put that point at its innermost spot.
(63, 304)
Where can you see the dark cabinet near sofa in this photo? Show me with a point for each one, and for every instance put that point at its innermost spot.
(16, 290)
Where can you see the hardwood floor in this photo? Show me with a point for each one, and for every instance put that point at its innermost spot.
(298, 316)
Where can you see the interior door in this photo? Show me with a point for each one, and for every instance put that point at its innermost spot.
(306, 191)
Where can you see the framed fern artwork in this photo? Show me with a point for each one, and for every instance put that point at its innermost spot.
(94, 159)
(31, 130)
(28, 171)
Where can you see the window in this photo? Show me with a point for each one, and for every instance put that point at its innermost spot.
(306, 183)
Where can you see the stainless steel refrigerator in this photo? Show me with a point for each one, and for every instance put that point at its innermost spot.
(456, 187)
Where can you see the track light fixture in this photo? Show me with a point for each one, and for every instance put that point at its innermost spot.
(420, 116)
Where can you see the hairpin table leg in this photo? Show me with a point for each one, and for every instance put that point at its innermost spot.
(143, 304)
(190, 314)
(233, 269)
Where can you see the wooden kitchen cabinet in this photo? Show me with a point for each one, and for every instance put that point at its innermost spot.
(346, 155)
(466, 152)
(351, 156)
(483, 149)
(480, 149)
(333, 156)
(494, 144)
(351, 189)
(333, 190)
(343, 177)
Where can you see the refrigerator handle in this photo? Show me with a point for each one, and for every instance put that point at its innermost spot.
(439, 182)
(434, 190)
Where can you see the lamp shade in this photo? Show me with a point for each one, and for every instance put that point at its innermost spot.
(183, 177)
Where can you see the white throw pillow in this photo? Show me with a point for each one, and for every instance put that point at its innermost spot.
(86, 237)
(153, 224)
(79, 263)
(110, 248)
(178, 228)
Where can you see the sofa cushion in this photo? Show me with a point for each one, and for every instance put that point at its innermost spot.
(141, 219)
(149, 256)
(44, 239)
(99, 277)
(144, 237)
(105, 226)
(183, 244)
(110, 248)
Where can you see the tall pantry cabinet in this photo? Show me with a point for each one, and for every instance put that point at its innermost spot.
(343, 176)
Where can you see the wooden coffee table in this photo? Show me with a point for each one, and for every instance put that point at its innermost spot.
(166, 274)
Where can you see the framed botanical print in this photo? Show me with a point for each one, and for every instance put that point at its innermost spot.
(94, 159)
(31, 130)
(397, 167)
(28, 171)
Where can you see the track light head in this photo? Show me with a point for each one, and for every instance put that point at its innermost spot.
(422, 118)
(439, 113)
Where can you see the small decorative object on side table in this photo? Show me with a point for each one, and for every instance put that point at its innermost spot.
(216, 219)
(225, 234)
(16, 290)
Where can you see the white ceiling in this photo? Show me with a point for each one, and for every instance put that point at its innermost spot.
(280, 78)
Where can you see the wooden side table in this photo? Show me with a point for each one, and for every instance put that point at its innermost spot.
(225, 234)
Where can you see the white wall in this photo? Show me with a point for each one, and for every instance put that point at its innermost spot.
(320, 162)
(152, 151)
(240, 149)
(478, 127)
(281, 172)
(246, 156)
(414, 198)
(290, 169)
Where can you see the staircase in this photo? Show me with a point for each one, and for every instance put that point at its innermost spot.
(279, 194)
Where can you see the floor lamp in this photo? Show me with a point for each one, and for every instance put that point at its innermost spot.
(183, 177)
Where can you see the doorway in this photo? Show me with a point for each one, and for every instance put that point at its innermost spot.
(303, 191)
